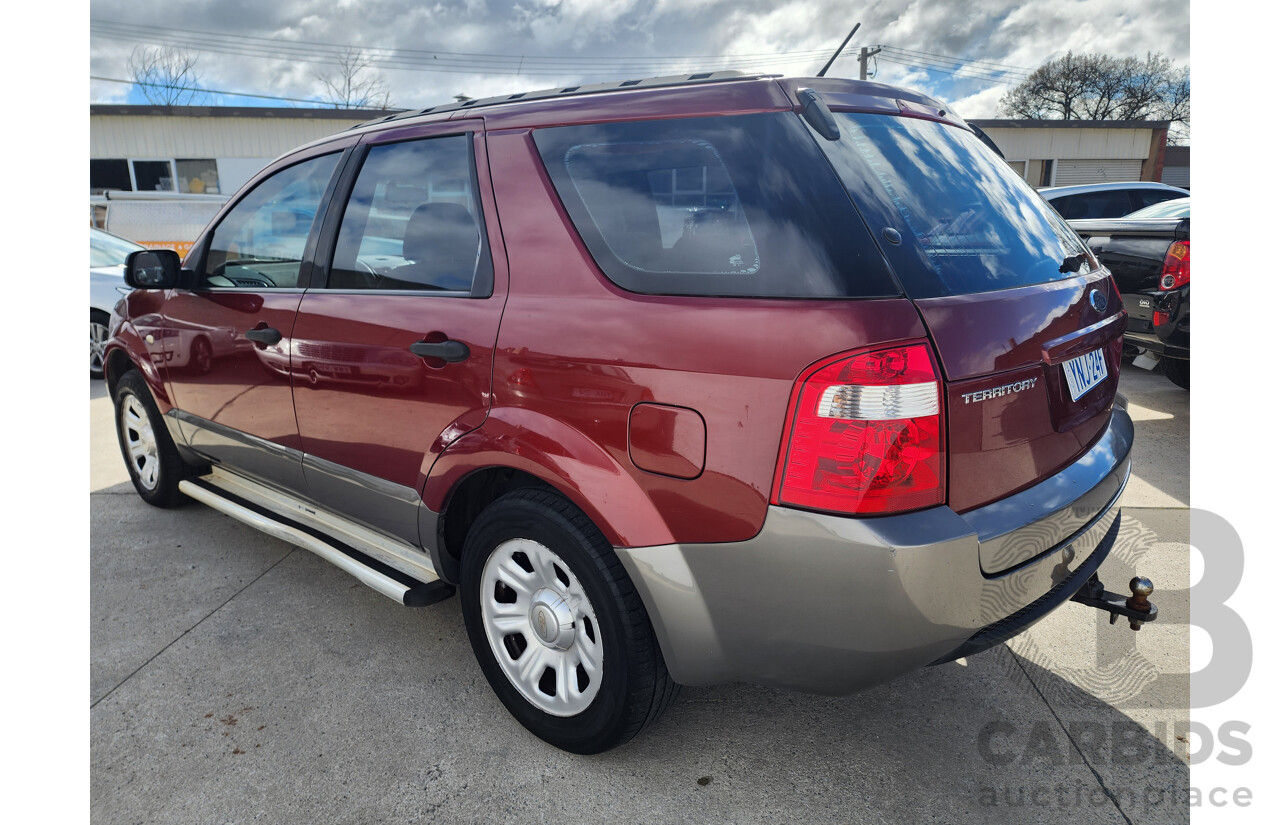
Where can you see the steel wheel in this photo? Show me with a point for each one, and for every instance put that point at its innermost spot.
(139, 440)
(541, 627)
(98, 335)
(556, 624)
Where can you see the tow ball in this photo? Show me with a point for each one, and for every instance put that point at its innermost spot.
(1136, 608)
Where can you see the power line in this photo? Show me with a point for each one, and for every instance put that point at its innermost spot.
(951, 66)
(318, 103)
(1002, 66)
(425, 60)
(920, 66)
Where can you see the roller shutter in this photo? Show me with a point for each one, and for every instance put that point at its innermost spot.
(1071, 172)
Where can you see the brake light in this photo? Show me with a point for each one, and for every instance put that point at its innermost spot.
(1177, 266)
(865, 435)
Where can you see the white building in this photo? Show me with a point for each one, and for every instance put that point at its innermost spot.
(211, 149)
(199, 149)
(1067, 152)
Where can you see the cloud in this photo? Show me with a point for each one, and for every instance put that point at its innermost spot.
(496, 46)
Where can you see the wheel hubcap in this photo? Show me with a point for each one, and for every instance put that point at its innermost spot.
(541, 627)
(97, 345)
(139, 441)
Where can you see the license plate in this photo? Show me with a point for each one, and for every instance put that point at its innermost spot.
(1085, 372)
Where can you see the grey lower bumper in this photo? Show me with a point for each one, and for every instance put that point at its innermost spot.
(830, 604)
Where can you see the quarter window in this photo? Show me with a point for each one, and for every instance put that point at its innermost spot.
(261, 241)
(734, 206)
(413, 221)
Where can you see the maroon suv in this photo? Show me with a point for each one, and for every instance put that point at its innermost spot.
(680, 381)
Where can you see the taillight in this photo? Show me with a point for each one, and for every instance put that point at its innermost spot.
(1177, 265)
(865, 435)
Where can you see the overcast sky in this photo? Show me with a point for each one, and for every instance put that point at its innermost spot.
(489, 47)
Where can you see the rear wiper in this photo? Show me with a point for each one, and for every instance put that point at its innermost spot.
(1073, 263)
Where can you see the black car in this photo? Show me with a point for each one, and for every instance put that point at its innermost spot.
(1150, 259)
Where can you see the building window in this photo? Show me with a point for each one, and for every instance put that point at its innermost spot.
(1018, 166)
(109, 174)
(153, 175)
(198, 176)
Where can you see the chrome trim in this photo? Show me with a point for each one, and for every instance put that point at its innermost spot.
(385, 585)
(873, 403)
(408, 559)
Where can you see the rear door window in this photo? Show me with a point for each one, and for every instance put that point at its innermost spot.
(742, 205)
(413, 222)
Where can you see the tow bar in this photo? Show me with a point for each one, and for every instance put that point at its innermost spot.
(1136, 608)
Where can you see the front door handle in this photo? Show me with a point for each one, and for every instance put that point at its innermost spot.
(451, 351)
(265, 335)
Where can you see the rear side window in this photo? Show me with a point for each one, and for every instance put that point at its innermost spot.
(968, 223)
(413, 221)
(738, 206)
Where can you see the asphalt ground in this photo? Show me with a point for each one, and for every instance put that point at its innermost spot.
(235, 678)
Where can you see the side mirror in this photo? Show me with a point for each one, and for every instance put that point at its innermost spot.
(153, 269)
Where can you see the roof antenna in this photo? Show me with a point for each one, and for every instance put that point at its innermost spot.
(823, 73)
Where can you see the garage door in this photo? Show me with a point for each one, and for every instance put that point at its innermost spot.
(1177, 176)
(1071, 172)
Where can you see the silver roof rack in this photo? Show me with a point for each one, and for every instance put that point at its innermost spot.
(571, 91)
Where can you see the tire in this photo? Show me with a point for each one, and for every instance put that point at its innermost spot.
(201, 356)
(539, 579)
(155, 467)
(1177, 370)
(98, 334)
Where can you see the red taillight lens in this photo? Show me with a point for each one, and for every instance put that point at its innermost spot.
(865, 435)
(1177, 266)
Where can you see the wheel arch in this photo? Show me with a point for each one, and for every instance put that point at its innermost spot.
(519, 448)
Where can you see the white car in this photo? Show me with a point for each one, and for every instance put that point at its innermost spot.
(106, 285)
(1108, 200)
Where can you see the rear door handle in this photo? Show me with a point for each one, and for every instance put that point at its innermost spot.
(266, 335)
(451, 351)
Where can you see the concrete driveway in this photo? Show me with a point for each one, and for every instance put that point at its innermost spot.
(235, 678)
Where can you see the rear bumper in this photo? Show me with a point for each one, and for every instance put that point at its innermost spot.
(829, 604)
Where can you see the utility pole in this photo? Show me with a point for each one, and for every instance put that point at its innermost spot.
(863, 56)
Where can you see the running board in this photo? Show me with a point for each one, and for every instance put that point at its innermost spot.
(375, 560)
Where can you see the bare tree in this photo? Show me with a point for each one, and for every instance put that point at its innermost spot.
(1101, 87)
(166, 75)
(355, 84)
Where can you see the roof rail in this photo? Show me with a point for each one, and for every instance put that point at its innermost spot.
(572, 91)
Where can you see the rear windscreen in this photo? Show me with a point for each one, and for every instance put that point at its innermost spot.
(739, 206)
(968, 223)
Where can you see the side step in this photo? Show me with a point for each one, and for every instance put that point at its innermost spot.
(390, 582)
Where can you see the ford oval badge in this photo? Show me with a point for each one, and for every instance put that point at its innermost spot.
(1098, 301)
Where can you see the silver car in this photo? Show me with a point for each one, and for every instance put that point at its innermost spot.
(106, 284)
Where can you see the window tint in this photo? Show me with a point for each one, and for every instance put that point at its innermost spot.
(741, 205)
(967, 221)
(260, 242)
(412, 221)
(1146, 197)
(1176, 208)
(1109, 203)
